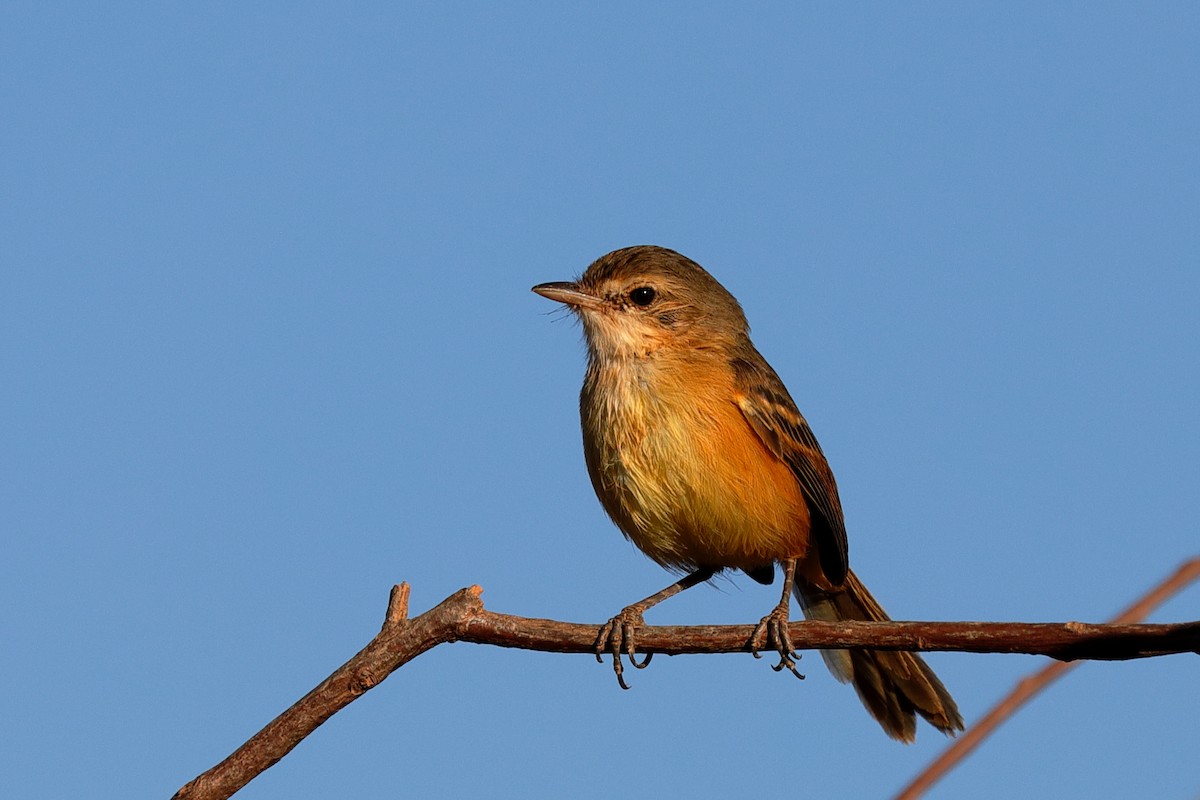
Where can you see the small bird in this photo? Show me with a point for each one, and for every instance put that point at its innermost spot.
(699, 455)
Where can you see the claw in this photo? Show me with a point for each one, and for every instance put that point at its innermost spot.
(757, 634)
(785, 661)
(773, 628)
(618, 637)
(602, 639)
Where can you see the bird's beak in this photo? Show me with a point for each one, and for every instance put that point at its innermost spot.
(568, 293)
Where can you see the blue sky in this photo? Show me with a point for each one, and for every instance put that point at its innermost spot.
(269, 348)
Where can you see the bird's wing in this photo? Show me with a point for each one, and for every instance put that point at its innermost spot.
(767, 406)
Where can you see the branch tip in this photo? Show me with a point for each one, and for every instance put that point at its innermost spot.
(397, 610)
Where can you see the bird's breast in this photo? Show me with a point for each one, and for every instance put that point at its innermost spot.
(680, 471)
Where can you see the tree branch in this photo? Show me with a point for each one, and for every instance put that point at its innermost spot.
(1034, 684)
(462, 617)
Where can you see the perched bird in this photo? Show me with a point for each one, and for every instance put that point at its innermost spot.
(699, 455)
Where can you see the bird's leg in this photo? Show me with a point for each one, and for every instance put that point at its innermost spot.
(775, 625)
(618, 635)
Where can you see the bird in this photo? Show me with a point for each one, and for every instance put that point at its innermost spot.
(701, 458)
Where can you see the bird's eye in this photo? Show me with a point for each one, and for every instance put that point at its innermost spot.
(642, 296)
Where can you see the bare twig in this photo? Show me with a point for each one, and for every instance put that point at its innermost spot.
(1030, 686)
(400, 641)
(461, 617)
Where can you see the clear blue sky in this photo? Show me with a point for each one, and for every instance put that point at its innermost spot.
(268, 347)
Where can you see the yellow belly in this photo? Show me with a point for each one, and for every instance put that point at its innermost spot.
(683, 475)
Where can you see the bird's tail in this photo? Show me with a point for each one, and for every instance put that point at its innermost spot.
(894, 686)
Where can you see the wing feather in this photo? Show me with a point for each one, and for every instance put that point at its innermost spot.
(773, 416)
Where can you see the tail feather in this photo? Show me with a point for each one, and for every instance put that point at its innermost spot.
(894, 686)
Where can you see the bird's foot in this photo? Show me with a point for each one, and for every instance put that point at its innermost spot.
(618, 636)
(774, 629)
